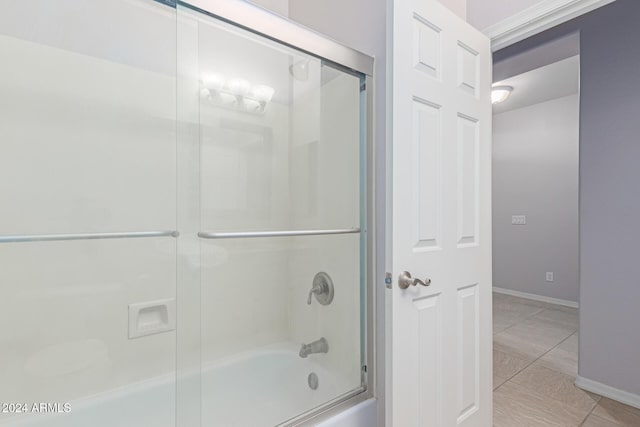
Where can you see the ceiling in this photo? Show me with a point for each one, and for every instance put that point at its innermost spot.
(542, 84)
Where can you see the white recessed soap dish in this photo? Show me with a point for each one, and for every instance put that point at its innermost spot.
(152, 317)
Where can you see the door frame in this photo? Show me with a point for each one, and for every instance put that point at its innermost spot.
(537, 18)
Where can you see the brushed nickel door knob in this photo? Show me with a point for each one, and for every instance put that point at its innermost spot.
(405, 280)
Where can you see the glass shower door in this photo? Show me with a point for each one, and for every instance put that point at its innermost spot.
(279, 179)
(181, 233)
(88, 218)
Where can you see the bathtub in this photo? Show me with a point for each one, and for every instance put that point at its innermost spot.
(254, 389)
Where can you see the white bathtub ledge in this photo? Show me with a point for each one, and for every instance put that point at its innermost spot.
(361, 415)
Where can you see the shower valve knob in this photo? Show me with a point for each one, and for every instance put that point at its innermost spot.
(322, 288)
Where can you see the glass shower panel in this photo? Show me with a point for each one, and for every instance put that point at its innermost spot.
(277, 131)
(255, 319)
(279, 135)
(88, 186)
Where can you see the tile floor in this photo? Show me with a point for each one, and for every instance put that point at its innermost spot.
(535, 362)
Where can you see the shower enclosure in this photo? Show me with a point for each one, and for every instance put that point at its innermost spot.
(183, 232)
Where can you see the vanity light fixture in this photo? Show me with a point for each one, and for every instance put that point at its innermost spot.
(213, 82)
(262, 93)
(239, 87)
(236, 93)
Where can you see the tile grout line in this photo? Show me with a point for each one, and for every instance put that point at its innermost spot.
(589, 414)
(535, 360)
(521, 321)
(539, 357)
(510, 380)
(529, 317)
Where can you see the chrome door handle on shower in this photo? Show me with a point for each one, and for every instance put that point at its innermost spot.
(405, 280)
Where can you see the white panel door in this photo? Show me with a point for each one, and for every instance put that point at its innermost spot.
(439, 334)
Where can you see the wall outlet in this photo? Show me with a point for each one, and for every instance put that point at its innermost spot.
(549, 276)
(518, 219)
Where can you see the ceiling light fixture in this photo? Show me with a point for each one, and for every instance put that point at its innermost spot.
(500, 93)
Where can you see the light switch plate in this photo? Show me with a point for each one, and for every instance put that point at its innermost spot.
(549, 276)
(152, 317)
(518, 219)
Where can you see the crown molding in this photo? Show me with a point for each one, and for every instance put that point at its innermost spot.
(537, 18)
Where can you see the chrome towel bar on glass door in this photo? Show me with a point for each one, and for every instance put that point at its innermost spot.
(85, 236)
(292, 233)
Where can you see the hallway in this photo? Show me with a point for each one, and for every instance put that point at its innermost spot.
(535, 361)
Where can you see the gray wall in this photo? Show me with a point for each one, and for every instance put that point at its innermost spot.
(609, 190)
(549, 53)
(535, 173)
(610, 202)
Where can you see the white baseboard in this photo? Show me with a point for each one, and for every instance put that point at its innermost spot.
(608, 391)
(535, 297)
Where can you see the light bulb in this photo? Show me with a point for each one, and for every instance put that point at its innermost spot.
(227, 98)
(239, 87)
(252, 105)
(263, 93)
(213, 82)
(500, 94)
(205, 93)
